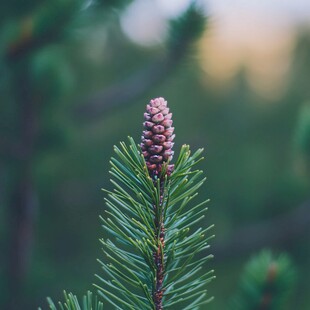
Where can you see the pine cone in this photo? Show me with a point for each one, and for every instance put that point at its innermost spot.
(157, 138)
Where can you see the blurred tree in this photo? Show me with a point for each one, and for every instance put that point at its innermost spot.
(302, 136)
(25, 34)
(267, 283)
(37, 77)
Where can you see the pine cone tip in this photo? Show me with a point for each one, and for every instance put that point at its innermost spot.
(157, 137)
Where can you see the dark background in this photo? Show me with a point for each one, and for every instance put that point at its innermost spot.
(72, 85)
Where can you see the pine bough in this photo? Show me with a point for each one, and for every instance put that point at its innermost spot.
(155, 256)
(267, 283)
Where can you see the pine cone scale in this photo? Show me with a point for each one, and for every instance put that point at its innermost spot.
(156, 140)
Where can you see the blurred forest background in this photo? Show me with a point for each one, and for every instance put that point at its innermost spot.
(75, 78)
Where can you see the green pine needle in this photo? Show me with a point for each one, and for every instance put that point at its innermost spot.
(129, 268)
(72, 303)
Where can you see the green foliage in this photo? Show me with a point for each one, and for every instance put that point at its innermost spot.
(256, 128)
(43, 26)
(303, 130)
(113, 3)
(72, 303)
(185, 29)
(51, 75)
(130, 269)
(266, 283)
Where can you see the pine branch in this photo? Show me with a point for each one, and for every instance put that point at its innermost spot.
(72, 303)
(154, 261)
(155, 256)
(266, 284)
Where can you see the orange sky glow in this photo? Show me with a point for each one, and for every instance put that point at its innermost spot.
(258, 36)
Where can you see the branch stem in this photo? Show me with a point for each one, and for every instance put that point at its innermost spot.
(159, 254)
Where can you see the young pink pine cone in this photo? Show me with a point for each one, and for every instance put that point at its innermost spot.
(157, 138)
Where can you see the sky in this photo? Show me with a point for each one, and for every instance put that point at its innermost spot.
(145, 21)
(258, 35)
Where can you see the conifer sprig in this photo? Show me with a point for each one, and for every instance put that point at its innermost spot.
(266, 284)
(72, 303)
(156, 258)
(155, 255)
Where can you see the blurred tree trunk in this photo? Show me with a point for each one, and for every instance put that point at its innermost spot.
(22, 203)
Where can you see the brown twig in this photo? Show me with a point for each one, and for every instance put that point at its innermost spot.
(268, 294)
(158, 255)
